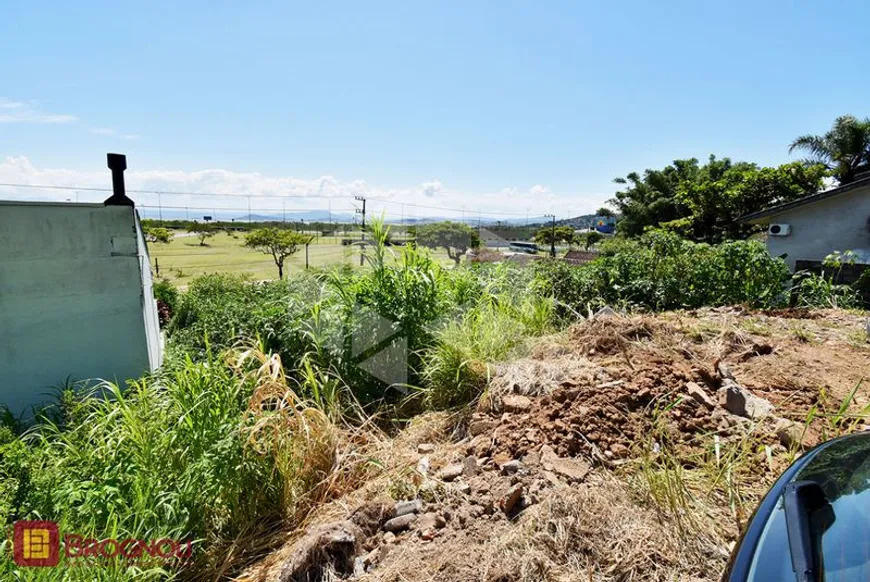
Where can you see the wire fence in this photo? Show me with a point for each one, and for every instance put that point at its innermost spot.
(333, 221)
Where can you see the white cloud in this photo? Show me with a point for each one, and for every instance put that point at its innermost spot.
(431, 188)
(274, 193)
(103, 131)
(20, 112)
(130, 136)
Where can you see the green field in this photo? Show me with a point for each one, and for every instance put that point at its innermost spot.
(183, 258)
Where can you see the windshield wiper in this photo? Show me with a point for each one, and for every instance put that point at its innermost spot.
(802, 499)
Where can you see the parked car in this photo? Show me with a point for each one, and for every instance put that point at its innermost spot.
(814, 523)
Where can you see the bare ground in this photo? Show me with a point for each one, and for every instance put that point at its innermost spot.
(592, 459)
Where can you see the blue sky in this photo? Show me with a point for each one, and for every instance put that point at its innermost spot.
(509, 106)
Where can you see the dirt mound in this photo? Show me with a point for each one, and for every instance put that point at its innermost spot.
(630, 448)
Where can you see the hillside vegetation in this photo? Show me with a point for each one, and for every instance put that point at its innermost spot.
(278, 398)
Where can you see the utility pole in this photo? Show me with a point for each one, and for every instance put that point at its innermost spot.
(306, 253)
(363, 212)
(552, 236)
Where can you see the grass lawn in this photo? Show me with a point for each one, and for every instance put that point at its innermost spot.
(183, 258)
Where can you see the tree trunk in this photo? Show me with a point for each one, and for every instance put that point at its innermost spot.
(281, 270)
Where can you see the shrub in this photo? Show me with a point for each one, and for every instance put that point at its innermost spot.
(662, 271)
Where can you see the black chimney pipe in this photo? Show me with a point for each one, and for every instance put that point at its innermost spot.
(118, 163)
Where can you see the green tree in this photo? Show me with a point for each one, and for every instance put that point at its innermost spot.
(276, 242)
(155, 234)
(844, 149)
(456, 237)
(705, 202)
(588, 239)
(562, 234)
(605, 212)
(203, 231)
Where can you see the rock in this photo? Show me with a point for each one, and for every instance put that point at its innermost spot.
(426, 448)
(501, 458)
(481, 425)
(789, 433)
(553, 479)
(400, 523)
(389, 538)
(619, 449)
(406, 507)
(512, 467)
(572, 469)
(604, 313)
(359, 567)
(613, 384)
(469, 466)
(700, 395)
(516, 403)
(430, 521)
(464, 488)
(724, 371)
(531, 459)
(423, 466)
(739, 401)
(511, 498)
(334, 543)
(451, 472)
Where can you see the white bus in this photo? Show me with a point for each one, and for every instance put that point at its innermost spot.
(524, 247)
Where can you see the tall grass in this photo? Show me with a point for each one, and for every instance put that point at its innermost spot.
(219, 451)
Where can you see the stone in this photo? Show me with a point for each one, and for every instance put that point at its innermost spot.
(406, 507)
(607, 385)
(572, 469)
(740, 402)
(359, 567)
(516, 403)
(481, 425)
(430, 521)
(389, 538)
(501, 458)
(619, 449)
(699, 395)
(463, 488)
(400, 523)
(604, 313)
(426, 448)
(423, 466)
(469, 466)
(789, 433)
(724, 371)
(512, 467)
(451, 472)
(511, 498)
(531, 459)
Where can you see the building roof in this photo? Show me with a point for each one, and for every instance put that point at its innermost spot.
(756, 217)
(576, 257)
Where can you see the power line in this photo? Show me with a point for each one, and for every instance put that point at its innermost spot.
(180, 193)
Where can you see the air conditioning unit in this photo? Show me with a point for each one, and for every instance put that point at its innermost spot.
(779, 229)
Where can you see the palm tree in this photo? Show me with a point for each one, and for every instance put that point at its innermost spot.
(845, 149)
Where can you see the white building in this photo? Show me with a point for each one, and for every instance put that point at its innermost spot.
(807, 230)
(75, 298)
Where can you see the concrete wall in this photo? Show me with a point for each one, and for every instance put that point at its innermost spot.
(837, 223)
(73, 303)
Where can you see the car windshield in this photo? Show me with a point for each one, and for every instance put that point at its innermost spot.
(841, 530)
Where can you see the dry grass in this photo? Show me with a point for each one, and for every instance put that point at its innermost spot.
(597, 532)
